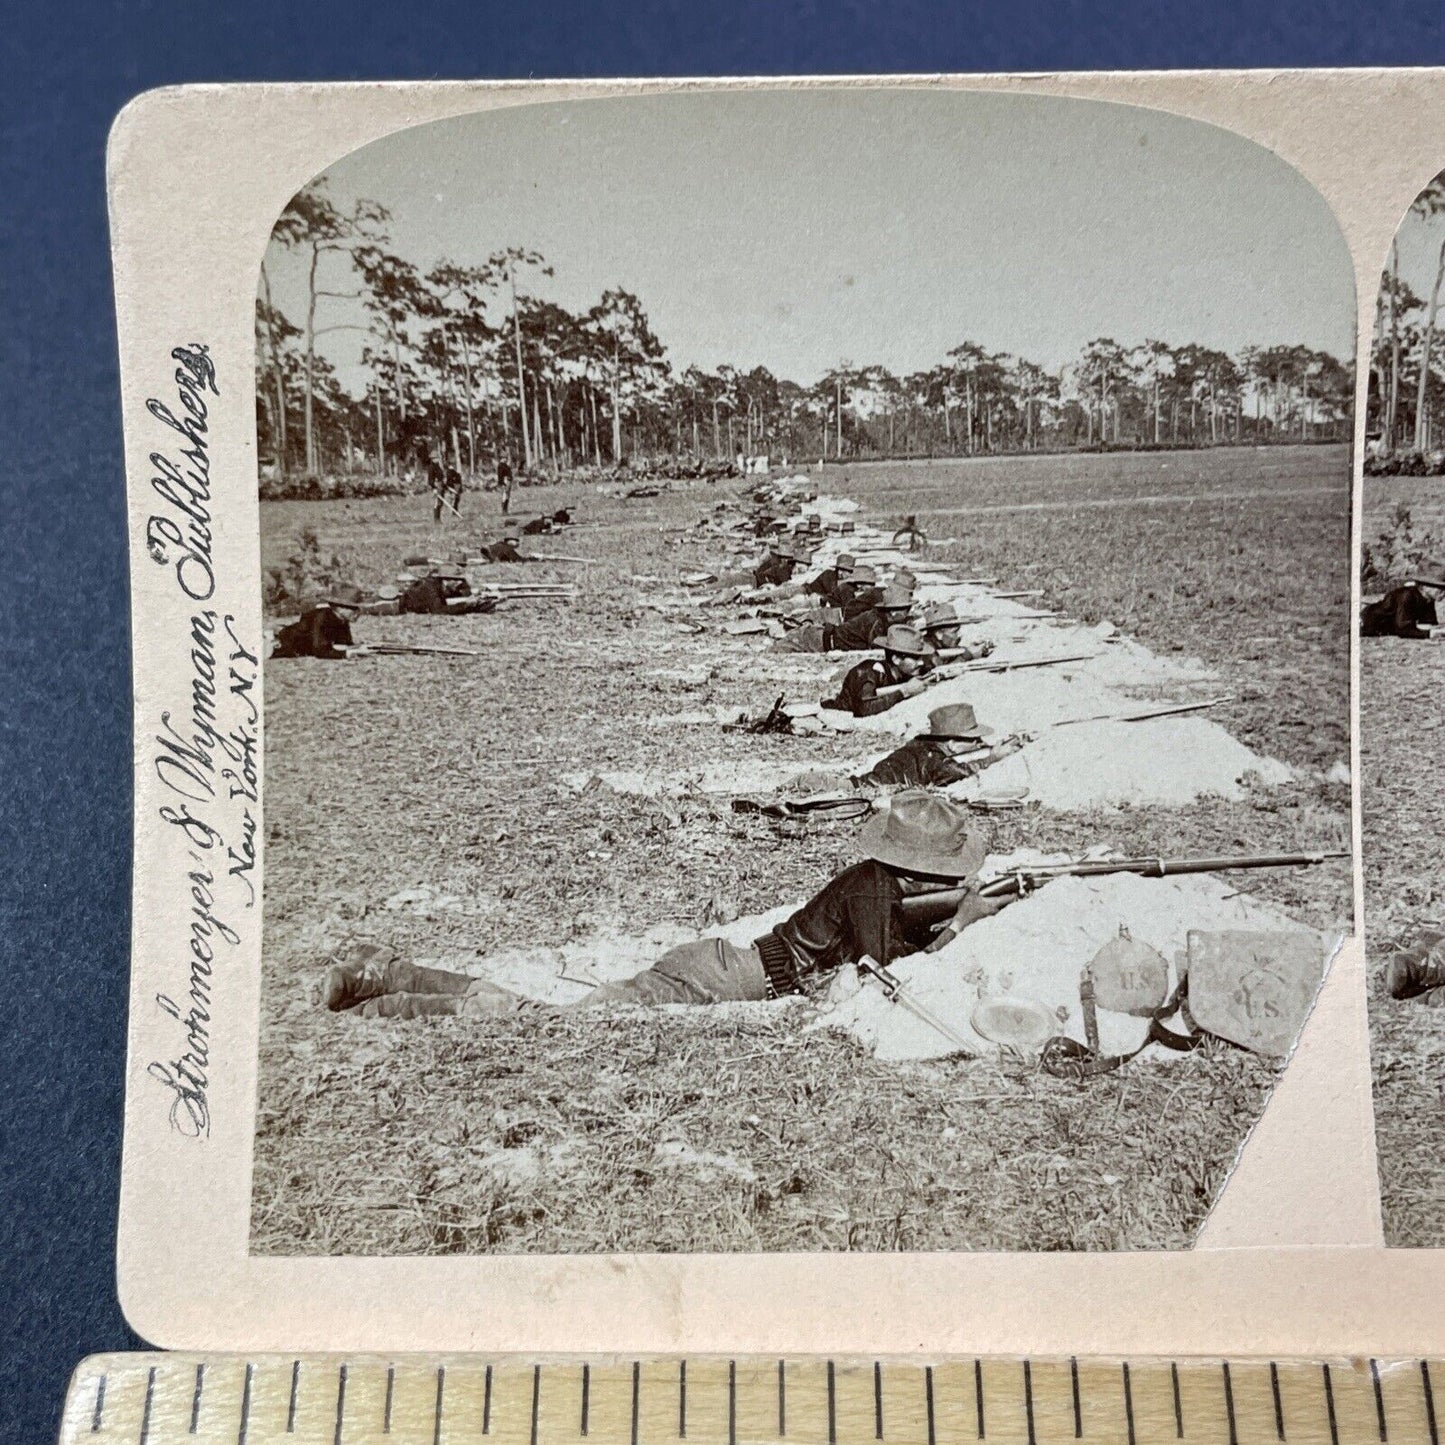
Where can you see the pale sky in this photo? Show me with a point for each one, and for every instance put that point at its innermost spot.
(796, 230)
(1419, 241)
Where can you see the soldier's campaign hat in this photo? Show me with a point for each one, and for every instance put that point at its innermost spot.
(846, 562)
(347, 594)
(940, 614)
(908, 641)
(955, 723)
(865, 577)
(905, 579)
(894, 598)
(920, 832)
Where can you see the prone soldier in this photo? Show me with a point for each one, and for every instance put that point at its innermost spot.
(876, 685)
(955, 746)
(1418, 972)
(826, 584)
(919, 843)
(322, 631)
(853, 635)
(1408, 611)
(942, 626)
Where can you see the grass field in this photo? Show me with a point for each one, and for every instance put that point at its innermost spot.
(1402, 815)
(416, 801)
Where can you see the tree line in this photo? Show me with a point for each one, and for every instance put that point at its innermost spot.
(1407, 377)
(464, 364)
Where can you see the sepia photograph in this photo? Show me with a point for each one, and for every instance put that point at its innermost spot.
(807, 704)
(1402, 581)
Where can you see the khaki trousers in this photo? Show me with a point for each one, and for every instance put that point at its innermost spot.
(711, 970)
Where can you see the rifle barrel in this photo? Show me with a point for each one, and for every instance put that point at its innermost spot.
(1146, 714)
(939, 905)
(988, 664)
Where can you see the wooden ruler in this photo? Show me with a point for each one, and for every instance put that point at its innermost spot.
(166, 1399)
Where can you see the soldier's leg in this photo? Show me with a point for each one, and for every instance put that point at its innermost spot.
(368, 971)
(708, 971)
(479, 999)
(405, 1006)
(811, 637)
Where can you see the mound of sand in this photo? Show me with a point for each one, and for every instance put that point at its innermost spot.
(1010, 702)
(1038, 948)
(1167, 762)
(829, 509)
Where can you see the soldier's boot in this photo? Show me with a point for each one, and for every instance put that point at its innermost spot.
(369, 972)
(358, 975)
(1418, 972)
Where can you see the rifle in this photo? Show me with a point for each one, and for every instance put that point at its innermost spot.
(405, 649)
(775, 720)
(938, 906)
(1164, 710)
(834, 807)
(1002, 664)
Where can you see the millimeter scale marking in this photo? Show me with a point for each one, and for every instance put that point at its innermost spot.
(187, 1399)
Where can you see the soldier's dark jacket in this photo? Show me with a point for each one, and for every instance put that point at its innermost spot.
(1401, 612)
(773, 572)
(319, 632)
(860, 601)
(917, 764)
(859, 692)
(502, 551)
(429, 594)
(858, 913)
(825, 584)
(857, 634)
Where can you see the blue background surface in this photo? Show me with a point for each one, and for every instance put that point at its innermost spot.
(64, 657)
